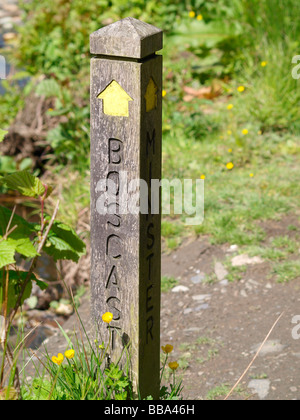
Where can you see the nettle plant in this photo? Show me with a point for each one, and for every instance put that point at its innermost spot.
(21, 244)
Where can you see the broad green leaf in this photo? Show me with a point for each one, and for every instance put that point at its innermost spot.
(27, 184)
(2, 134)
(7, 164)
(22, 275)
(26, 164)
(48, 88)
(42, 285)
(64, 244)
(7, 254)
(19, 239)
(16, 280)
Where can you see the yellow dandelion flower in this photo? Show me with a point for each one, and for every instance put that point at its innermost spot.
(263, 63)
(164, 93)
(202, 177)
(192, 14)
(58, 360)
(70, 354)
(259, 132)
(251, 175)
(229, 107)
(107, 317)
(199, 17)
(168, 348)
(173, 365)
(229, 165)
(245, 131)
(229, 132)
(229, 150)
(241, 89)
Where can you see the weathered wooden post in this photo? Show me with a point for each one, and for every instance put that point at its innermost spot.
(126, 125)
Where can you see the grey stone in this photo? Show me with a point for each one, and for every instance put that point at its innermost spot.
(201, 297)
(192, 330)
(220, 271)
(270, 347)
(260, 387)
(8, 26)
(127, 38)
(202, 307)
(180, 288)
(198, 278)
(244, 259)
(233, 248)
(5, 20)
(187, 311)
(224, 282)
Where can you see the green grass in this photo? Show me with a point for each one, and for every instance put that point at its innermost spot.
(221, 391)
(167, 283)
(200, 136)
(235, 273)
(218, 392)
(278, 249)
(286, 271)
(228, 45)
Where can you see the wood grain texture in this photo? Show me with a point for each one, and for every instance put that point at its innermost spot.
(128, 37)
(126, 248)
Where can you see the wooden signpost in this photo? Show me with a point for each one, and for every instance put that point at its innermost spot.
(126, 133)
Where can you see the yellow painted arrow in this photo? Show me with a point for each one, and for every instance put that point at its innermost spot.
(115, 100)
(151, 96)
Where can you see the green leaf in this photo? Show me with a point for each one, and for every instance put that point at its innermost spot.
(48, 88)
(15, 283)
(64, 244)
(7, 164)
(19, 239)
(27, 184)
(2, 134)
(7, 253)
(42, 285)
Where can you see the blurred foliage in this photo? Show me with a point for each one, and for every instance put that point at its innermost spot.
(208, 44)
(224, 40)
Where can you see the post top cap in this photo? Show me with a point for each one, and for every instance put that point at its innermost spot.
(129, 37)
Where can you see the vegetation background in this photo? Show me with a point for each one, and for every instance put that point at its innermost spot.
(211, 48)
(231, 111)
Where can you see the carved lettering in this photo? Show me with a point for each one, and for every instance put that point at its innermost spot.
(111, 304)
(149, 259)
(114, 177)
(149, 298)
(150, 236)
(150, 324)
(114, 151)
(114, 331)
(113, 246)
(112, 210)
(151, 142)
(113, 279)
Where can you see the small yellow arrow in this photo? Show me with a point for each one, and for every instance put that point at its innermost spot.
(115, 100)
(151, 96)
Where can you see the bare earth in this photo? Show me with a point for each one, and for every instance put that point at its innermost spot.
(216, 328)
(222, 333)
